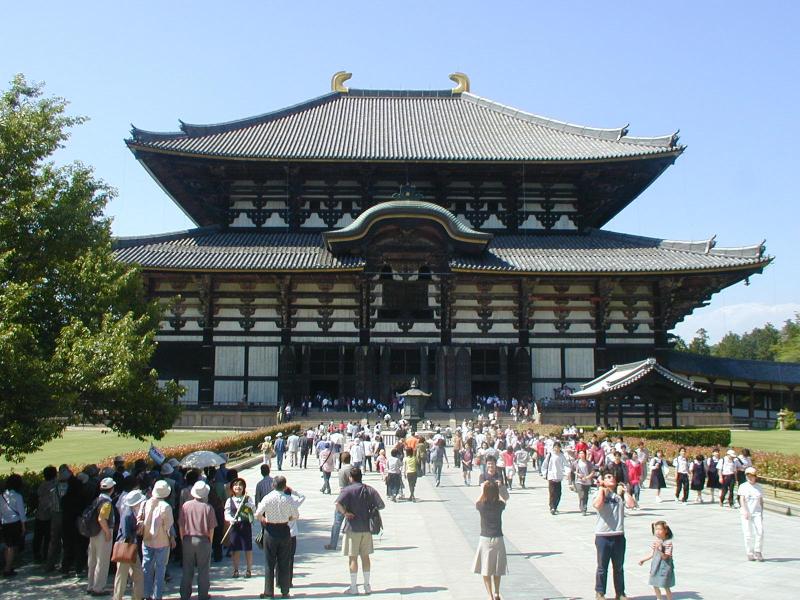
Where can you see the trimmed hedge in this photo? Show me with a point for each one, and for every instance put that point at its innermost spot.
(683, 437)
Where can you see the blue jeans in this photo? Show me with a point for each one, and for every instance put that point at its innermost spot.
(279, 456)
(610, 548)
(437, 471)
(336, 528)
(154, 565)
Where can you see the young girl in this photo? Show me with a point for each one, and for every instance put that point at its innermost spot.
(239, 513)
(657, 483)
(509, 464)
(634, 476)
(662, 569)
(466, 464)
(697, 476)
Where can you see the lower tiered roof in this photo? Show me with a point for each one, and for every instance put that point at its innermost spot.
(597, 252)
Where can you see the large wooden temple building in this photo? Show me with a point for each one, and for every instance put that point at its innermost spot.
(356, 240)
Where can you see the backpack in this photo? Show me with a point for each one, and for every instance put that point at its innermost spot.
(88, 525)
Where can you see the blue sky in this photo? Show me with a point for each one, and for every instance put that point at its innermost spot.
(724, 73)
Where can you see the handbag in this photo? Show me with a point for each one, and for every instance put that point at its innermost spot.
(123, 552)
(375, 520)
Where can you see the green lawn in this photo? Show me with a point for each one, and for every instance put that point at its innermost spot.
(787, 442)
(87, 445)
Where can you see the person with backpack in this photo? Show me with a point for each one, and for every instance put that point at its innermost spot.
(97, 523)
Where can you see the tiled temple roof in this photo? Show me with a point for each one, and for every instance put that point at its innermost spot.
(625, 376)
(595, 252)
(372, 125)
(734, 368)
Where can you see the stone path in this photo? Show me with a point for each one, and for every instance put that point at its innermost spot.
(427, 549)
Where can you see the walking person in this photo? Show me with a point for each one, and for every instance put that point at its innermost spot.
(196, 522)
(326, 462)
(394, 478)
(697, 476)
(634, 476)
(662, 569)
(553, 470)
(239, 516)
(100, 543)
(751, 510)
(490, 558)
(305, 449)
(509, 466)
(128, 534)
(681, 464)
(338, 518)
(410, 469)
(264, 486)
(466, 463)
(13, 517)
(712, 475)
(280, 450)
(657, 467)
(156, 521)
(727, 477)
(521, 459)
(609, 534)
(293, 448)
(584, 472)
(275, 512)
(356, 502)
(438, 457)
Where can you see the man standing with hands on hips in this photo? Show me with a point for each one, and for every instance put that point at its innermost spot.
(609, 533)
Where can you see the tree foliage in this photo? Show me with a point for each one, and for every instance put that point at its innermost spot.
(76, 331)
(762, 343)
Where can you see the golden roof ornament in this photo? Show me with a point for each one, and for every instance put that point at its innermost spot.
(462, 82)
(337, 81)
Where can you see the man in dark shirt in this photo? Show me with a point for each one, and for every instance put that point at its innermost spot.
(355, 502)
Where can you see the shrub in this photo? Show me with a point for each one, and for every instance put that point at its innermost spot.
(683, 437)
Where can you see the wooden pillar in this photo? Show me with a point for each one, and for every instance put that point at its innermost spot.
(647, 414)
(751, 404)
(674, 414)
(305, 381)
(504, 383)
(656, 421)
(605, 414)
(423, 372)
(386, 374)
(441, 376)
(620, 417)
(597, 412)
(205, 396)
(463, 377)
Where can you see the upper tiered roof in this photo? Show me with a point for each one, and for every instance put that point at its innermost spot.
(392, 125)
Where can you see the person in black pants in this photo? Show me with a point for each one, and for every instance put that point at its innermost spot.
(305, 448)
(275, 511)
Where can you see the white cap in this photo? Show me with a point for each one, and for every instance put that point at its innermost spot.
(750, 471)
(134, 498)
(731, 453)
(107, 484)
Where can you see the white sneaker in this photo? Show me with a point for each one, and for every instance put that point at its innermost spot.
(367, 589)
(352, 591)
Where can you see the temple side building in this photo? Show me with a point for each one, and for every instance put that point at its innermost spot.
(356, 240)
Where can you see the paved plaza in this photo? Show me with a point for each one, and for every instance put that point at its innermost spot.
(427, 549)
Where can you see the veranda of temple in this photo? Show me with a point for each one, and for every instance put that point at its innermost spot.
(356, 240)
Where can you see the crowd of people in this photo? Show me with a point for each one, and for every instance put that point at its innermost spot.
(87, 521)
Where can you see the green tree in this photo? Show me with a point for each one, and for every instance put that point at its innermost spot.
(788, 347)
(76, 331)
(699, 344)
(758, 344)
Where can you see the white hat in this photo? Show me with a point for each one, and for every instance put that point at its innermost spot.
(161, 489)
(134, 498)
(750, 471)
(267, 438)
(280, 434)
(200, 490)
(731, 453)
(107, 484)
(166, 469)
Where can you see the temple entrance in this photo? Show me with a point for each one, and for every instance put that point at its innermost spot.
(326, 387)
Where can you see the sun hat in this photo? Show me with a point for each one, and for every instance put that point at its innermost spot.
(750, 471)
(200, 490)
(280, 434)
(134, 498)
(161, 489)
(107, 483)
(267, 438)
(731, 453)
(166, 469)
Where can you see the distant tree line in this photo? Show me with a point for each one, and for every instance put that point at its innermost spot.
(762, 343)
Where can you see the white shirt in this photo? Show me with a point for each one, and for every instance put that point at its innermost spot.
(294, 443)
(681, 464)
(555, 464)
(357, 452)
(297, 499)
(751, 496)
(277, 507)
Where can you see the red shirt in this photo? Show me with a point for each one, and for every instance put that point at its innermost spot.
(581, 445)
(634, 471)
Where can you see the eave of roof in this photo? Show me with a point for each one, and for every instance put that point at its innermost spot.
(625, 376)
(733, 369)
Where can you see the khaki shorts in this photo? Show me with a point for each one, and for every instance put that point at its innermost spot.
(357, 543)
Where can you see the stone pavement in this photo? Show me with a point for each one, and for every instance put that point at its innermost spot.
(427, 549)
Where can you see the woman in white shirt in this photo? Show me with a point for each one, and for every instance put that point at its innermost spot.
(12, 517)
(394, 479)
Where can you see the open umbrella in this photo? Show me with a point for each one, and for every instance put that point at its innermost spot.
(202, 459)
